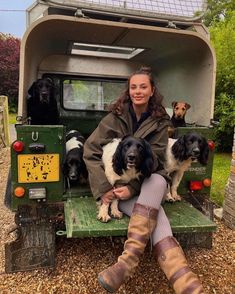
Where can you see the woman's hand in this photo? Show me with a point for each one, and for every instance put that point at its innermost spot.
(122, 193)
(107, 197)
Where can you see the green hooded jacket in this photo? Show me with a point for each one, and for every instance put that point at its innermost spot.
(154, 130)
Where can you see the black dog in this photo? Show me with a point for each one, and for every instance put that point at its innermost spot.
(180, 154)
(74, 167)
(41, 104)
(125, 159)
(133, 153)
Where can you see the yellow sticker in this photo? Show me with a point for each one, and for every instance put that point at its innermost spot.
(37, 168)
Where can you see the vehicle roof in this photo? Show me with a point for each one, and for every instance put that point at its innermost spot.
(123, 10)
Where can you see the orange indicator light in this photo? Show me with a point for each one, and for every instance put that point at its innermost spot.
(19, 192)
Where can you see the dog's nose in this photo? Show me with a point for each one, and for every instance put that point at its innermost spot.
(131, 157)
(196, 152)
(73, 177)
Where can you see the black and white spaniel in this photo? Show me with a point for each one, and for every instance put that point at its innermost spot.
(124, 159)
(180, 154)
(74, 167)
(41, 104)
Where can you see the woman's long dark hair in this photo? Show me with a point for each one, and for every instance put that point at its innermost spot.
(155, 106)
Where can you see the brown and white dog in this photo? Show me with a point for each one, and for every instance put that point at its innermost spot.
(179, 112)
(178, 116)
(124, 159)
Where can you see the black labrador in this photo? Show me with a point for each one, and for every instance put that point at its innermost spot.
(41, 104)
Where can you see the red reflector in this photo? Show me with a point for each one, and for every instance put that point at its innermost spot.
(195, 185)
(211, 145)
(18, 146)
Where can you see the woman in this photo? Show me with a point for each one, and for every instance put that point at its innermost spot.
(139, 112)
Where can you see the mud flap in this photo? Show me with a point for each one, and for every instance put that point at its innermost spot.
(33, 249)
(8, 192)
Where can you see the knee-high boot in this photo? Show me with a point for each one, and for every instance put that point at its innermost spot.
(172, 261)
(142, 222)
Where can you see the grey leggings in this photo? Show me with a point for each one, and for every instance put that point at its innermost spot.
(152, 192)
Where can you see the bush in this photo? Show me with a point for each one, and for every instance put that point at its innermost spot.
(225, 114)
(223, 40)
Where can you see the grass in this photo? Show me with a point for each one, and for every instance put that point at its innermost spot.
(220, 175)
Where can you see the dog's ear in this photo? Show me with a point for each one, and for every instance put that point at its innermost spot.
(179, 148)
(50, 81)
(65, 169)
(147, 166)
(31, 90)
(118, 162)
(187, 105)
(124, 137)
(204, 152)
(173, 104)
(84, 170)
(52, 86)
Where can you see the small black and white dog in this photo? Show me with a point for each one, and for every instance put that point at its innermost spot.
(74, 167)
(180, 154)
(124, 159)
(41, 104)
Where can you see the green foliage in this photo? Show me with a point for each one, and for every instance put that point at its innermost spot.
(223, 40)
(12, 118)
(217, 10)
(225, 114)
(220, 175)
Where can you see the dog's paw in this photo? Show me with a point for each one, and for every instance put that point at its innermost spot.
(169, 198)
(176, 197)
(117, 214)
(103, 210)
(104, 218)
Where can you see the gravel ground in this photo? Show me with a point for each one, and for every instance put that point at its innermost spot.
(78, 261)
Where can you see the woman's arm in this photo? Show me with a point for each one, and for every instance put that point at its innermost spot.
(93, 150)
(159, 141)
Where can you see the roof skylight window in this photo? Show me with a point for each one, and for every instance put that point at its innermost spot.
(99, 50)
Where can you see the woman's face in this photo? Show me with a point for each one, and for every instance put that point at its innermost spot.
(140, 90)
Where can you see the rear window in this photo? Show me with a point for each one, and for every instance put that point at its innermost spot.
(90, 94)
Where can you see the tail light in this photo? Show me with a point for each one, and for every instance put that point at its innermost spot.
(199, 185)
(18, 146)
(195, 185)
(19, 192)
(211, 145)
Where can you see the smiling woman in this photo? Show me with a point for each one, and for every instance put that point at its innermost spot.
(139, 112)
(140, 92)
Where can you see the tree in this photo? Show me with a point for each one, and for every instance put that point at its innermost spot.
(223, 40)
(9, 68)
(217, 10)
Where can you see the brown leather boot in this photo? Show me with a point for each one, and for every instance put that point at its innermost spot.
(172, 261)
(142, 222)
